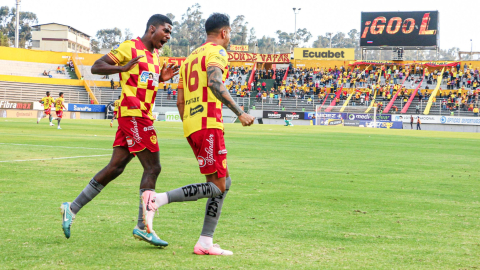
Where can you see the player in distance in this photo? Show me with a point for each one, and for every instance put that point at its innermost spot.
(116, 104)
(201, 92)
(59, 106)
(47, 108)
(134, 59)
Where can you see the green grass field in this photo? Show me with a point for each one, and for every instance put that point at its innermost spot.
(302, 197)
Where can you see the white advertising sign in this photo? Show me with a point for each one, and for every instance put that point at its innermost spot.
(172, 117)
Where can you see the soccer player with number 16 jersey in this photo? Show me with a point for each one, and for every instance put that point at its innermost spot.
(201, 92)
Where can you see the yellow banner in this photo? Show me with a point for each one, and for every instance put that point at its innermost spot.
(239, 48)
(323, 54)
(433, 95)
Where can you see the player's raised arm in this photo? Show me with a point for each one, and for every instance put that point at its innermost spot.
(106, 66)
(215, 83)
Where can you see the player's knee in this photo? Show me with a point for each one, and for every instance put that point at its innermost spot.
(117, 170)
(228, 183)
(221, 185)
(154, 169)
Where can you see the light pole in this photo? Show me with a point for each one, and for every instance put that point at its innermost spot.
(330, 36)
(471, 49)
(17, 23)
(296, 11)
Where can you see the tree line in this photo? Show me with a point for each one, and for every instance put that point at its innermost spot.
(189, 33)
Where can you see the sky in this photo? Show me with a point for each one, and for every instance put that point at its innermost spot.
(266, 16)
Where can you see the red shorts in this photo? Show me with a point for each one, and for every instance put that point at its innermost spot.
(137, 134)
(47, 111)
(114, 114)
(59, 114)
(208, 145)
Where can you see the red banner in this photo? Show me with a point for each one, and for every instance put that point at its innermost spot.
(283, 58)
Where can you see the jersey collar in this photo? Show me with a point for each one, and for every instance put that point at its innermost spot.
(141, 46)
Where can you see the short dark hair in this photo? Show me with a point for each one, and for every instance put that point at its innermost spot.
(48, 92)
(215, 22)
(60, 94)
(158, 19)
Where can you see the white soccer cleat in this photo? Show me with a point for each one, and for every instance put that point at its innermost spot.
(59, 128)
(51, 124)
(215, 249)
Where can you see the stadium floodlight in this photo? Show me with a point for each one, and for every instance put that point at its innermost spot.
(296, 12)
(17, 15)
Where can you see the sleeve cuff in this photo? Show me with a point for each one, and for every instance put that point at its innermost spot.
(113, 58)
(222, 68)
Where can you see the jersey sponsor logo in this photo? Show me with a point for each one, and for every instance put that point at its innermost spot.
(130, 141)
(192, 100)
(201, 161)
(144, 76)
(210, 159)
(196, 110)
(148, 128)
(221, 59)
(222, 52)
(134, 130)
(153, 138)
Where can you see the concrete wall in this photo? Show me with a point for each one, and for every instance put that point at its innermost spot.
(442, 127)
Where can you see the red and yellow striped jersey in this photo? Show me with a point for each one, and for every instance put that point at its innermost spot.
(47, 102)
(116, 104)
(59, 104)
(202, 109)
(139, 85)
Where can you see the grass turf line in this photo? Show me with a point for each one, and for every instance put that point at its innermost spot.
(302, 197)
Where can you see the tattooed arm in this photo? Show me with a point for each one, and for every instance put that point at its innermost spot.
(215, 83)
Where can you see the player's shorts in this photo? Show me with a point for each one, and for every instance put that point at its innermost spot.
(59, 114)
(136, 134)
(114, 114)
(47, 111)
(208, 145)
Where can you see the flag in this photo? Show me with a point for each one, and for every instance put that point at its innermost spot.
(274, 67)
(252, 76)
(286, 73)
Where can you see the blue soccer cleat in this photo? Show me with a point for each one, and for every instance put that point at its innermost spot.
(67, 218)
(150, 238)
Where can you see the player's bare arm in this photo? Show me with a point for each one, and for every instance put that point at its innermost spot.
(215, 83)
(106, 66)
(180, 101)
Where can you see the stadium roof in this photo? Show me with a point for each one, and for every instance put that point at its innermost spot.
(63, 25)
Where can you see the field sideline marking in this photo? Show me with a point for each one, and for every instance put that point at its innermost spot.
(56, 146)
(52, 158)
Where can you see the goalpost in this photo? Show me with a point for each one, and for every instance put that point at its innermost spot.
(350, 114)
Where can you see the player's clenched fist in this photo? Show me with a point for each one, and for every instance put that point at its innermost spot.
(246, 119)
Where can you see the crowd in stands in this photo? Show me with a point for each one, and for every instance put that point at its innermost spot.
(60, 69)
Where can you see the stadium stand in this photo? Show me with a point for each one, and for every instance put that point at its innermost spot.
(30, 69)
(18, 91)
(87, 74)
